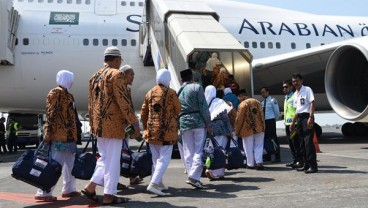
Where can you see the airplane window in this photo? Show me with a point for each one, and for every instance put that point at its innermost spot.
(69, 1)
(123, 3)
(25, 41)
(124, 42)
(293, 45)
(278, 45)
(262, 45)
(254, 44)
(85, 42)
(132, 3)
(308, 45)
(95, 42)
(105, 42)
(20, 0)
(59, 1)
(88, 2)
(16, 41)
(246, 44)
(322, 44)
(270, 45)
(40, 1)
(114, 42)
(30, 0)
(50, 1)
(140, 4)
(79, 1)
(133, 42)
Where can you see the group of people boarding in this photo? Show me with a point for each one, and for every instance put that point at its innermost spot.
(193, 111)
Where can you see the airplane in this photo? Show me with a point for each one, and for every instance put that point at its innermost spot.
(45, 36)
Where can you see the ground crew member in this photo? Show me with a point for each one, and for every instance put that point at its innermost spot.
(289, 113)
(304, 103)
(271, 112)
(13, 136)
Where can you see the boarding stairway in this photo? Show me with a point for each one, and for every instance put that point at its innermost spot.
(173, 30)
(9, 19)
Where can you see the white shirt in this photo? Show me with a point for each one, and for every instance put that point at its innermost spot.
(303, 99)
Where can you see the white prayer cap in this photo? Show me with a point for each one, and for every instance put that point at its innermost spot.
(163, 77)
(227, 91)
(64, 78)
(112, 51)
(125, 68)
(222, 69)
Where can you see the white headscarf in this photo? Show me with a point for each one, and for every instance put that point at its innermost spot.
(218, 105)
(227, 90)
(163, 77)
(64, 78)
(125, 68)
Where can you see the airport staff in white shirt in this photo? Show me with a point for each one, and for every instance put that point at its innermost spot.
(304, 103)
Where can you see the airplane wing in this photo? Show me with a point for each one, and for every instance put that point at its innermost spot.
(311, 63)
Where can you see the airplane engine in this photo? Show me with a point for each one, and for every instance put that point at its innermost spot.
(346, 81)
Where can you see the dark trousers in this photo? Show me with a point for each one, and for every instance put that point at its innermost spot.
(270, 133)
(3, 145)
(294, 145)
(12, 144)
(306, 136)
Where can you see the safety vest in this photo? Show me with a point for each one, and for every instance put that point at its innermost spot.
(289, 110)
(13, 129)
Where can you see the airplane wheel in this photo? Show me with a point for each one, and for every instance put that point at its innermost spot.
(347, 129)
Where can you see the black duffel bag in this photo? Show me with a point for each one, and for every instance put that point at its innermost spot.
(85, 162)
(213, 155)
(125, 160)
(37, 169)
(270, 147)
(141, 162)
(235, 158)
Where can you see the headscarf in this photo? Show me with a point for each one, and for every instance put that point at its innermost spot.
(163, 77)
(217, 105)
(227, 91)
(125, 68)
(64, 79)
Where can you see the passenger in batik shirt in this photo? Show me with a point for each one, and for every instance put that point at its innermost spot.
(250, 125)
(159, 114)
(194, 123)
(220, 125)
(61, 134)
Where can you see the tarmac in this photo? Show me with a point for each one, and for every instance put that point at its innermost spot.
(342, 181)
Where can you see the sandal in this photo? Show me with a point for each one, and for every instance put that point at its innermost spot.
(91, 196)
(121, 187)
(115, 200)
(136, 181)
(46, 198)
(71, 194)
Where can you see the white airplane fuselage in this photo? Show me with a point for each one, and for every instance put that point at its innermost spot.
(53, 47)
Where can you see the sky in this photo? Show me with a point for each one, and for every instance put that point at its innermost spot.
(322, 7)
(327, 7)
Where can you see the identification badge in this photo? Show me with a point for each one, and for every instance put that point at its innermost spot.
(302, 101)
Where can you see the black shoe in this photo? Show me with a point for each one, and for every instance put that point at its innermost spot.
(290, 164)
(304, 168)
(297, 165)
(311, 170)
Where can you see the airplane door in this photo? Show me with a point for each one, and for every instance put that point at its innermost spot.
(106, 7)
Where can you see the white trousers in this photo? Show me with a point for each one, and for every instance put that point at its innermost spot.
(193, 146)
(253, 147)
(181, 151)
(107, 170)
(222, 141)
(161, 156)
(66, 159)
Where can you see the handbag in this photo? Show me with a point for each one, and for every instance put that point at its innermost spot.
(85, 162)
(269, 147)
(125, 160)
(141, 162)
(235, 158)
(213, 155)
(37, 169)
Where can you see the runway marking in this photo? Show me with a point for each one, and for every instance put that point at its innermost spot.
(76, 202)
